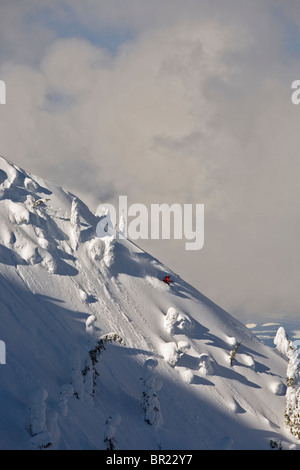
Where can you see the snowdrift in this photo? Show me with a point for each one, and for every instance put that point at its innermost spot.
(100, 354)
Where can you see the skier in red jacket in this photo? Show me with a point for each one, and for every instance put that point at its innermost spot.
(167, 279)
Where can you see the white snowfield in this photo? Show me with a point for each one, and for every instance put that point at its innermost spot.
(100, 354)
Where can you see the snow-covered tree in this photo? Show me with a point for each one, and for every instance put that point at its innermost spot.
(38, 411)
(292, 411)
(113, 420)
(283, 344)
(66, 391)
(109, 256)
(90, 373)
(233, 353)
(122, 225)
(172, 351)
(171, 320)
(205, 365)
(41, 438)
(75, 224)
(150, 400)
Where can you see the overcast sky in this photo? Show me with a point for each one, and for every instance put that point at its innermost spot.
(169, 101)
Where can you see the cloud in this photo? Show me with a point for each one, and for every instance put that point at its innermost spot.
(183, 102)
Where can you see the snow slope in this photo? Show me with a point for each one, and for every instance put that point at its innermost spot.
(101, 354)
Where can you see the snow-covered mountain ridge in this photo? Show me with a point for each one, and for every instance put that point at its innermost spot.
(101, 354)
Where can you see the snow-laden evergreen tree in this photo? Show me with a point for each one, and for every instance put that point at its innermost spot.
(90, 373)
(233, 353)
(38, 429)
(122, 225)
(111, 424)
(75, 224)
(283, 344)
(150, 400)
(292, 411)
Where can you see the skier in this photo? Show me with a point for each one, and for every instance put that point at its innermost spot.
(167, 279)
